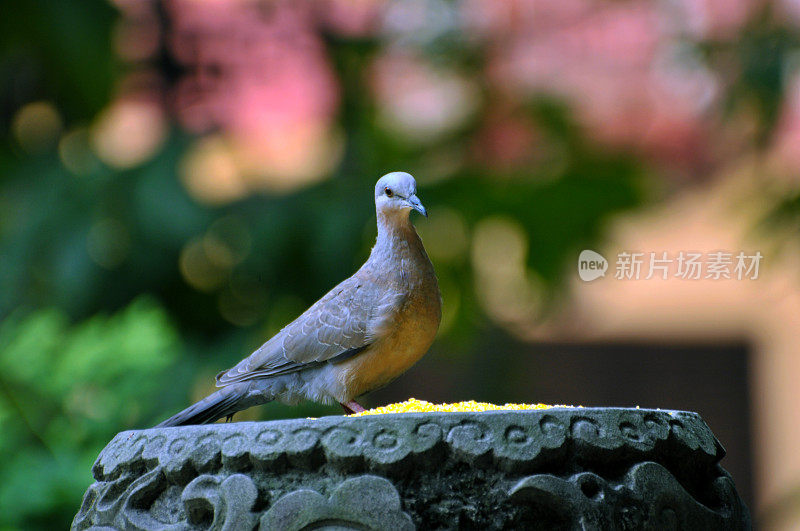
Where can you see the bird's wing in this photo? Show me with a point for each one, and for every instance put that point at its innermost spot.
(339, 325)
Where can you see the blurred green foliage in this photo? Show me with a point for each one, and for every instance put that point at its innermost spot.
(760, 58)
(64, 391)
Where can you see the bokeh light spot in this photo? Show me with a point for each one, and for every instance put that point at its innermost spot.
(286, 159)
(445, 234)
(75, 152)
(198, 269)
(210, 173)
(129, 132)
(499, 246)
(510, 293)
(419, 101)
(36, 126)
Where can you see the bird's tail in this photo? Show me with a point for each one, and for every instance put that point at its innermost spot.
(222, 403)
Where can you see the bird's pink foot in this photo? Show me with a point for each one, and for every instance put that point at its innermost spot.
(352, 407)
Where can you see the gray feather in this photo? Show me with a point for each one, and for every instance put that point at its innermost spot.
(346, 318)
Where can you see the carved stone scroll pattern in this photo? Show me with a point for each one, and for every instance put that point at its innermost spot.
(241, 474)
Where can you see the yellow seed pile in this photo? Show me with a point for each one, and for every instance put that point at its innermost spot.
(412, 405)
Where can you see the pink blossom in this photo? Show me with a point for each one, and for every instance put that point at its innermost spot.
(257, 71)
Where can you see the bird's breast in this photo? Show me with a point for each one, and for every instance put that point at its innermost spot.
(411, 333)
(400, 264)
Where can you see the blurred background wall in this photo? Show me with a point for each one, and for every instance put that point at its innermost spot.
(179, 179)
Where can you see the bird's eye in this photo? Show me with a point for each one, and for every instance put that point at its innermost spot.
(388, 192)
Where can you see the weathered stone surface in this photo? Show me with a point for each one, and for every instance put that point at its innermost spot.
(582, 468)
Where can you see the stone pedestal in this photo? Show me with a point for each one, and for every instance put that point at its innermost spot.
(560, 468)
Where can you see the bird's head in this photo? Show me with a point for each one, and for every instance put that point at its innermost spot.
(396, 193)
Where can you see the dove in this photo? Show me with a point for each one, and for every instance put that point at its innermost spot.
(358, 337)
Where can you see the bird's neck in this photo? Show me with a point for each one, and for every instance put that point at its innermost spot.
(396, 235)
(399, 244)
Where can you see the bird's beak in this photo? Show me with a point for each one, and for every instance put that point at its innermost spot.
(415, 203)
